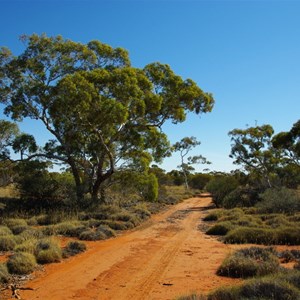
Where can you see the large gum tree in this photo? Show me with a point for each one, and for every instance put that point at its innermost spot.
(103, 113)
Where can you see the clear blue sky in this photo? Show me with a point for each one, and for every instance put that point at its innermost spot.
(247, 53)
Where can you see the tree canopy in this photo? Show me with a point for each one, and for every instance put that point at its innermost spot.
(103, 113)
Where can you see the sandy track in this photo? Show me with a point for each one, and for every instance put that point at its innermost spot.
(164, 258)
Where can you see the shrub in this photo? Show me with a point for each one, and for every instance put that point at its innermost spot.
(251, 235)
(31, 233)
(14, 222)
(28, 246)
(7, 242)
(19, 229)
(21, 263)
(287, 236)
(69, 228)
(221, 228)
(4, 275)
(249, 262)
(213, 216)
(268, 288)
(142, 211)
(126, 217)
(4, 230)
(241, 197)
(264, 288)
(48, 251)
(220, 187)
(279, 200)
(73, 248)
(92, 235)
(106, 230)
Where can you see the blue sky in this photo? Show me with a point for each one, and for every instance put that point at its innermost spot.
(247, 53)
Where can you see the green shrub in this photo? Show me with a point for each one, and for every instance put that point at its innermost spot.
(28, 245)
(31, 233)
(277, 200)
(21, 263)
(92, 235)
(221, 228)
(287, 236)
(7, 242)
(213, 216)
(241, 197)
(69, 228)
(264, 288)
(48, 251)
(118, 225)
(19, 229)
(142, 211)
(249, 262)
(126, 217)
(220, 187)
(106, 230)
(4, 230)
(73, 248)
(250, 235)
(14, 222)
(268, 288)
(4, 275)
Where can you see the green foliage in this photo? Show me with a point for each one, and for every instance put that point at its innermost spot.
(73, 248)
(199, 180)
(220, 187)
(4, 275)
(98, 108)
(8, 131)
(92, 235)
(36, 182)
(221, 228)
(29, 245)
(281, 200)
(249, 262)
(48, 251)
(4, 230)
(241, 197)
(7, 242)
(21, 263)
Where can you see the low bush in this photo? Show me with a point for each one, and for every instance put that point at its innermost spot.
(21, 263)
(7, 242)
(106, 230)
(19, 229)
(28, 246)
(213, 216)
(221, 228)
(4, 275)
(14, 222)
(249, 262)
(241, 197)
(73, 248)
(31, 233)
(69, 228)
(4, 230)
(48, 251)
(275, 287)
(141, 211)
(279, 200)
(126, 217)
(250, 235)
(92, 235)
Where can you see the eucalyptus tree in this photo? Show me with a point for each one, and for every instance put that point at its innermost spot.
(184, 146)
(252, 148)
(103, 113)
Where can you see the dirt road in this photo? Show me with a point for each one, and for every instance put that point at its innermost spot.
(164, 258)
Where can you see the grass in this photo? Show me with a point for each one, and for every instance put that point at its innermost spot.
(73, 248)
(21, 263)
(4, 230)
(4, 275)
(48, 251)
(9, 191)
(7, 242)
(249, 262)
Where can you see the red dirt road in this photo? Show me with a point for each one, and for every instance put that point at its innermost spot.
(163, 259)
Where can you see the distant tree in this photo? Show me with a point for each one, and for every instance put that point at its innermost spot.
(289, 143)
(184, 147)
(252, 149)
(103, 114)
